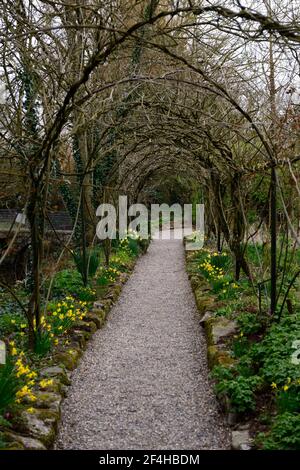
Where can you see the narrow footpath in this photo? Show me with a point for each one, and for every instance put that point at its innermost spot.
(143, 380)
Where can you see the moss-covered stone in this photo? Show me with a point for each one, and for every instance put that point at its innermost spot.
(198, 282)
(68, 358)
(57, 372)
(40, 424)
(88, 326)
(113, 292)
(48, 400)
(123, 277)
(91, 316)
(19, 442)
(103, 304)
(218, 357)
(101, 315)
(79, 338)
(218, 328)
(204, 302)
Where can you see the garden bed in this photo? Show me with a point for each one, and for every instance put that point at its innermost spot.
(249, 354)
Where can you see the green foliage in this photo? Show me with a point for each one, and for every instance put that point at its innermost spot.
(66, 281)
(240, 346)
(11, 314)
(225, 311)
(240, 390)
(86, 294)
(284, 433)
(133, 245)
(255, 253)
(9, 384)
(43, 343)
(273, 354)
(11, 322)
(249, 323)
(289, 400)
(92, 260)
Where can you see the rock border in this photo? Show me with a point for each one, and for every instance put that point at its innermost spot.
(38, 424)
(217, 330)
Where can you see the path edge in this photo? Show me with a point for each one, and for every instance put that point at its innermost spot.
(216, 329)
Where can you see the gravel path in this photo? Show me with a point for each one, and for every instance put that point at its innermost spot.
(143, 381)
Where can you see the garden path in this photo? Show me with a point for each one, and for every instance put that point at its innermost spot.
(143, 380)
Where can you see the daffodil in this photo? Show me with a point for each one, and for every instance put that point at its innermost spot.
(46, 383)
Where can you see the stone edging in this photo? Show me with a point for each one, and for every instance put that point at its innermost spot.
(217, 330)
(37, 429)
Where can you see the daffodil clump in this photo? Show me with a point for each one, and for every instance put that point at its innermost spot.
(214, 267)
(211, 272)
(120, 261)
(26, 377)
(62, 315)
(214, 264)
(107, 275)
(86, 294)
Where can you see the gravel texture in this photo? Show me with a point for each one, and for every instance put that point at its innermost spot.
(143, 381)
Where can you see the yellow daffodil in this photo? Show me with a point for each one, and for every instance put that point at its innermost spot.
(46, 383)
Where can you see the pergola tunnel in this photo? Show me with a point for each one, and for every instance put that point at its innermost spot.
(121, 119)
